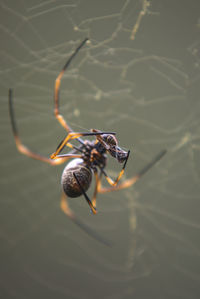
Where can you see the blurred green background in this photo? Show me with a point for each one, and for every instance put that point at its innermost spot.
(147, 90)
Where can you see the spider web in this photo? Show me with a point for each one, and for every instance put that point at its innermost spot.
(140, 77)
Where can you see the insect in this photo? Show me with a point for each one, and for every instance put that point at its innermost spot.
(89, 158)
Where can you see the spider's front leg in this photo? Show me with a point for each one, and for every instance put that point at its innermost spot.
(129, 182)
(115, 182)
(24, 149)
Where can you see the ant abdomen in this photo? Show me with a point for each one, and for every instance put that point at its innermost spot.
(82, 173)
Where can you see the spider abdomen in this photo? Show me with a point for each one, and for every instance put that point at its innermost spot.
(69, 182)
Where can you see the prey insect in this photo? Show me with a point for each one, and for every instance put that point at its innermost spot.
(89, 158)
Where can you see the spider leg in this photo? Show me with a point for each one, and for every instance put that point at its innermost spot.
(70, 156)
(93, 209)
(66, 209)
(58, 116)
(68, 144)
(97, 186)
(21, 147)
(110, 181)
(129, 182)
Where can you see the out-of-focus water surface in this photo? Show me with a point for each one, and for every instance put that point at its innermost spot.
(145, 88)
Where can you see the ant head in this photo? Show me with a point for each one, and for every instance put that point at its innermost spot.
(113, 148)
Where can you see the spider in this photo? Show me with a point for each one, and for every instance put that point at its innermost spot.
(88, 158)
